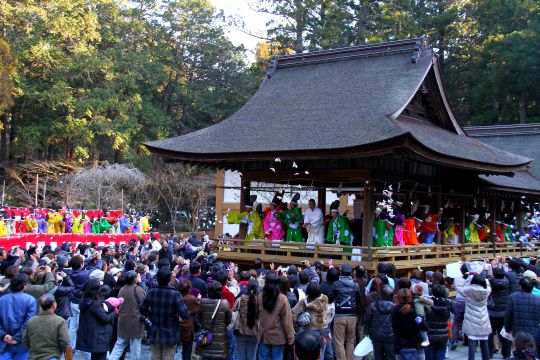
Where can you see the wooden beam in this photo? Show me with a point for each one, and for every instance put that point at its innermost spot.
(321, 200)
(220, 199)
(368, 217)
(245, 193)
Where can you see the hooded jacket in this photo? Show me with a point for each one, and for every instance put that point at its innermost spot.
(476, 318)
(378, 322)
(316, 310)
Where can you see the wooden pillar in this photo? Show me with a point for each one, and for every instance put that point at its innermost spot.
(321, 200)
(462, 213)
(220, 198)
(519, 215)
(494, 225)
(245, 193)
(368, 217)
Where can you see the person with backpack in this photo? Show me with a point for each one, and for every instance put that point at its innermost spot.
(345, 295)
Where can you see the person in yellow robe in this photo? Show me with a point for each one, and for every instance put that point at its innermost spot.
(51, 220)
(77, 227)
(31, 223)
(251, 218)
(144, 224)
(3, 227)
(59, 224)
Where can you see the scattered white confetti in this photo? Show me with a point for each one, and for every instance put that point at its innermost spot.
(277, 160)
(294, 165)
(295, 174)
(306, 172)
(274, 170)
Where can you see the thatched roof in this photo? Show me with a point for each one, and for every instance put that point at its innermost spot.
(335, 100)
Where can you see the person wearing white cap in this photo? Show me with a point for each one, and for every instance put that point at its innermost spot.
(531, 275)
(314, 224)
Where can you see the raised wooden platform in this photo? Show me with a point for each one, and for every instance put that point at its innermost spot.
(403, 257)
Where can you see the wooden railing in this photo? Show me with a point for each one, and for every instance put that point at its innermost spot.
(403, 257)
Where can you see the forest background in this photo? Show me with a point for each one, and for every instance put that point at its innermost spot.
(83, 83)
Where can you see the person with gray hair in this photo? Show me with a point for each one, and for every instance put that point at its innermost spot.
(46, 335)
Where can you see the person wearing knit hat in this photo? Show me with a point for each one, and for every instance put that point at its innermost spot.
(338, 228)
(292, 217)
(97, 274)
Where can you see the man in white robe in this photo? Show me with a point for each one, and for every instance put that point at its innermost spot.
(314, 224)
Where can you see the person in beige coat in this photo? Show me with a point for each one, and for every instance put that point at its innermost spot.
(130, 323)
(275, 321)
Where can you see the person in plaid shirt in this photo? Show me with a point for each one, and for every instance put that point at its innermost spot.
(163, 306)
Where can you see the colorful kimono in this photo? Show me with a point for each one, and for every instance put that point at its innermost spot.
(87, 226)
(78, 226)
(42, 226)
(381, 234)
(31, 224)
(409, 232)
(125, 225)
(293, 219)
(253, 221)
(450, 234)
(508, 234)
(100, 226)
(144, 224)
(3, 229)
(68, 220)
(51, 221)
(338, 232)
(273, 228)
(471, 234)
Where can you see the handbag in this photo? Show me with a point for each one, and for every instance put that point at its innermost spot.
(363, 348)
(304, 318)
(204, 337)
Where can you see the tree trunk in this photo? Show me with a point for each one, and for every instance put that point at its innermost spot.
(299, 15)
(522, 109)
(361, 25)
(4, 137)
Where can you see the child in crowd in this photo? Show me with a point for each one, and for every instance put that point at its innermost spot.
(422, 306)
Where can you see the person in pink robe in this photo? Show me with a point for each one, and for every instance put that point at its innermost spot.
(273, 228)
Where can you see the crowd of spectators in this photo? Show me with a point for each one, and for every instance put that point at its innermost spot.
(179, 298)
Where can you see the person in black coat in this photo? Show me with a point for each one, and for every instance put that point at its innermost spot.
(378, 321)
(95, 322)
(523, 309)
(406, 328)
(500, 290)
(437, 324)
(63, 294)
(515, 274)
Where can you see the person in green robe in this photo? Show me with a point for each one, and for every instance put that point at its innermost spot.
(338, 228)
(100, 226)
(293, 218)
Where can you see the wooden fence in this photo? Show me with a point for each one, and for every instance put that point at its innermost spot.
(403, 257)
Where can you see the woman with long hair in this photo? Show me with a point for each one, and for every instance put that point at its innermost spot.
(275, 328)
(245, 328)
(95, 330)
(406, 325)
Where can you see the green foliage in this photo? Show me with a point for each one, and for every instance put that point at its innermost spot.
(488, 48)
(98, 79)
